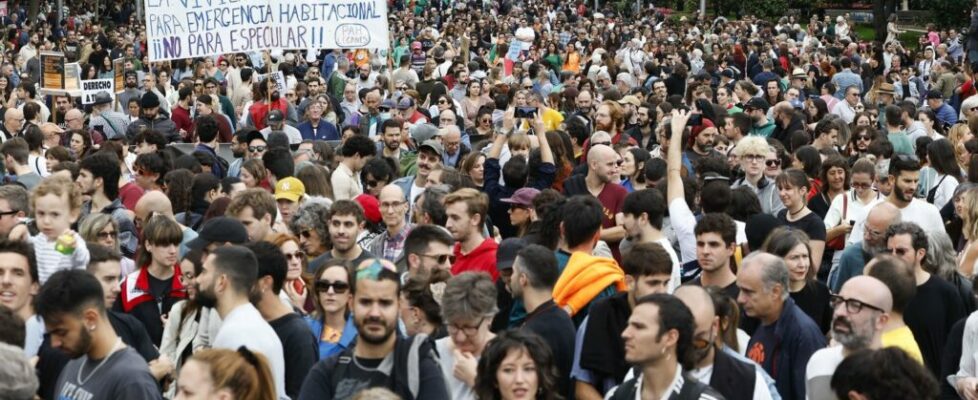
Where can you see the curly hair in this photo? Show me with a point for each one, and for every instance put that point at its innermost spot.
(486, 386)
(313, 216)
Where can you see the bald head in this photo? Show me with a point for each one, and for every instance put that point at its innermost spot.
(869, 290)
(878, 220)
(153, 201)
(698, 301)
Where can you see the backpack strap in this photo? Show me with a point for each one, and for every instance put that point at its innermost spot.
(336, 367)
(407, 358)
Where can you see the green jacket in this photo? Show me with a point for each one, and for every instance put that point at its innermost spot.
(763, 130)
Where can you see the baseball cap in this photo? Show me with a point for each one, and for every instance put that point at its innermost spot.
(630, 99)
(758, 104)
(728, 73)
(219, 229)
(388, 104)
(275, 116)
(522, 197)
(506, 252)
(290, 189)
(405, 103)
(434, 145)
(935, 94)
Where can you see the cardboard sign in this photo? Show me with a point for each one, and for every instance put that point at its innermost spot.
(119, 74)
(198, 28)
(52, 72)
(279, 81)
(92, 87)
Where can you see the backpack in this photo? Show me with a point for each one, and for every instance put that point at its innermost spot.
(404, 379)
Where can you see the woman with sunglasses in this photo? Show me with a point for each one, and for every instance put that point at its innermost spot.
(102, 229)
(810, 294)
(793, 187)
(331, 322)
(294, 291)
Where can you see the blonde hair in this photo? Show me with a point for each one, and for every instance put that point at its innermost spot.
(518, 141)
(245, 373)
(59, 186)
(969, 203)
(752, 145)
(475, 201)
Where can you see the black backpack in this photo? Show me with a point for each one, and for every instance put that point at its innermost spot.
(405, 377)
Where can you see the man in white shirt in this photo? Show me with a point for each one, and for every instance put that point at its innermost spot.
(860, 313)
(224, 283)
(905, 174)
(847, 109)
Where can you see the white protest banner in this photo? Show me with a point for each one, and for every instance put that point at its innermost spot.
(197, 28)
(3, 9)
(279, 79)
(95, 86)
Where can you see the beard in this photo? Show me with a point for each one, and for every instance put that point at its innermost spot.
(603, 127)
(849, 338)
(84, 343)
(236, 153)
(206, 297)
(873, 249)
(275, 96)
(369, 337)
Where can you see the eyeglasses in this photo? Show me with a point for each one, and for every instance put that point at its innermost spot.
(773, 163)
(528, 87)
(6, 213)
(486, 120)
(338, 287)
(469, 331)
(106, 235)
(861, 185)
(298, 255)
(441, 258)
(853, 306)
(753, 157)
(601, 144)
(402, 88)
(198, 84)
(256, 149)
(867, 137)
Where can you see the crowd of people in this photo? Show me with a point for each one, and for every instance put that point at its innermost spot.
(516, 200)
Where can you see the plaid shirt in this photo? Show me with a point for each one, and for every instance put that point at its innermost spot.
(564, 37)
(391, 248)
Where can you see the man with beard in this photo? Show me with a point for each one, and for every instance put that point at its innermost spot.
(346, 220)
(604, 166)
(390, 145)
(72, 305)
(270, 99)
(131, 90)
(904, 175)
(239, 148)
(855, 256)
(151, 119)
(224, 283)
(703, 136)
(735, 379)
(936, 306)
(861, 311)
(585, 108)
(756, 108)
(299, 346)
(428, 158)
(380, 358)
(61, 106)
(644, 132)
(658, 342)
(787, 337)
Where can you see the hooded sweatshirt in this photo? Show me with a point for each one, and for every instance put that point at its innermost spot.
(480, 259)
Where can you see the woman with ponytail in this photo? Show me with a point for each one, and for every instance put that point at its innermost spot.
(226, 374)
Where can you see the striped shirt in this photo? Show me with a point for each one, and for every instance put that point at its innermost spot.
(50, 260)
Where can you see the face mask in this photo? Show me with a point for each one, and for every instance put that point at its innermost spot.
(385, 115)
(397, 94)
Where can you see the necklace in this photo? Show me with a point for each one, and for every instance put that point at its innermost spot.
(81, 382)
(795, 213)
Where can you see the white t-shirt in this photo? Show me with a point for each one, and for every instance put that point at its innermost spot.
(945, 190)
(818, 373)
(244, 326)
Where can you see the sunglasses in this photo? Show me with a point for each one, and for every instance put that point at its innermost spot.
(867, 137)
(106, 235)
(440, 258)
(442, 102)
(861, 185)
(256, 149)
(306, 233)
(773, 163)
(298, 255)
(601, 144)
(337, 286)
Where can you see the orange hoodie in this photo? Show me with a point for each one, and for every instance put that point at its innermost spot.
(584, 277)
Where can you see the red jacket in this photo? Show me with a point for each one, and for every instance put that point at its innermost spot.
(259, 110)
(480, 259)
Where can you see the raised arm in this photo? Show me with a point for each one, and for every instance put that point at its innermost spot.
(674, 158)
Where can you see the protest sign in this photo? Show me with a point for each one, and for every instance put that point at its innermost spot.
(52, 72)
(119, 74)
(3, 9)
(73, 79)
(279, 79)
(197, 28)
(95, 86)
